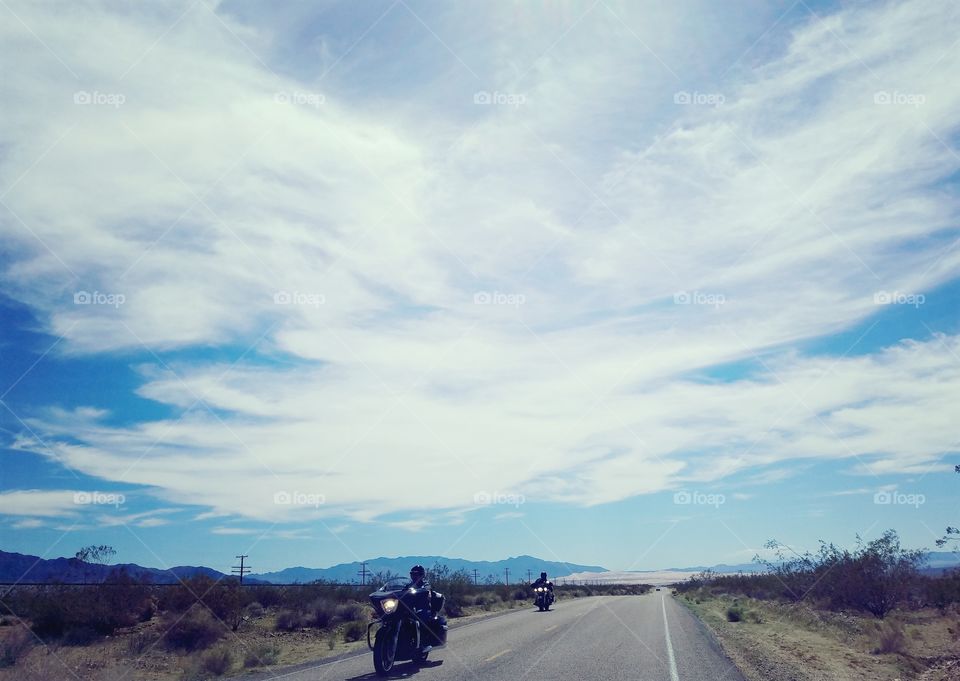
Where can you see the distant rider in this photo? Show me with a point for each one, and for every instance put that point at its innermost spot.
(543, 581)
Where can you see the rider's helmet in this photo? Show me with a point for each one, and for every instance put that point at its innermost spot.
(543, 576)
(417, 573)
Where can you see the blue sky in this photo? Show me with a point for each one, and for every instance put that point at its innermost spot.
(603, 282)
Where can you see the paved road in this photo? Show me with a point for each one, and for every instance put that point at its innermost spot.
(602, 638)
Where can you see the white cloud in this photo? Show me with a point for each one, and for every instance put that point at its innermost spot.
(201, 197)
(35, 502)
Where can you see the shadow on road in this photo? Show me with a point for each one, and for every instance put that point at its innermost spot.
(403, 670)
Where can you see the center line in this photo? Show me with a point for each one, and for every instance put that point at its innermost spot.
(494, 657)
(666, 628)
(551, 628)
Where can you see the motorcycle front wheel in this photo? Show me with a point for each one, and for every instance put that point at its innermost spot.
(384, 652)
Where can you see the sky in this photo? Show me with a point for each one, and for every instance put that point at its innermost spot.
(635, 284)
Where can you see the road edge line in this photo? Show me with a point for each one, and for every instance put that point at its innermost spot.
(666, 629)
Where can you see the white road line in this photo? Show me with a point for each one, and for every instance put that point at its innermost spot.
(666, 628)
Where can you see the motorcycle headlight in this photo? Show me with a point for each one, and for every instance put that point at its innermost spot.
(389, 605)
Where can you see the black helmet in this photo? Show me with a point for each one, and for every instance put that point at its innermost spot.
(417, 572)
(543, 576)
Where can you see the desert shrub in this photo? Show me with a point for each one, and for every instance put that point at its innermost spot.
(351, 612)
(942, 591)
(288, 620)
(320, 613)
(255, 609)
(734, 613)
(80, 635)
(140, 642)
(217, 661)
(520, 595)
(15, 645)
(354, 631)
(261, 655)
(453, 608)
(890, 639)
(195, 630)
(267, 596)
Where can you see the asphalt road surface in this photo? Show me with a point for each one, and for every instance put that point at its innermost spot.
(602, 638)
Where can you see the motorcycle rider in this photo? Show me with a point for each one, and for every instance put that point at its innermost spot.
(418, 581)
(543, 581)
(418, 578)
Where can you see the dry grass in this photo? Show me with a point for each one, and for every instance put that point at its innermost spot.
(775, 641)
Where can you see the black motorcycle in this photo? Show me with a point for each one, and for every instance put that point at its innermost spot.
(542, 597)
(409, 624)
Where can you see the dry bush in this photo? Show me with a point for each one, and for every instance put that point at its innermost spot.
(262, 655)
(890, 639)
(195, 630)
(15, 645)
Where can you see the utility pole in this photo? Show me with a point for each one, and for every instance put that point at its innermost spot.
(529, 575)
(506, 573)
(475, 580)
(363, 573)
(241, 569)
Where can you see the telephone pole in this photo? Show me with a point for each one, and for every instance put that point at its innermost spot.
(475, 579)
(241, 569)
(363, 573)
(506, 573)
(529, 575)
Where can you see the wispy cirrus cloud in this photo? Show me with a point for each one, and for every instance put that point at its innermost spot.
(511, 296)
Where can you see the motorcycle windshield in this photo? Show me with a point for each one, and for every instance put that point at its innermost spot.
(394, 584)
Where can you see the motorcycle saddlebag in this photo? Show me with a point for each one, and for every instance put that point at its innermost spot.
(436, 630)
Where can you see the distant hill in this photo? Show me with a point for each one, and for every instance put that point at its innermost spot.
(349, 572)
(18, 567)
